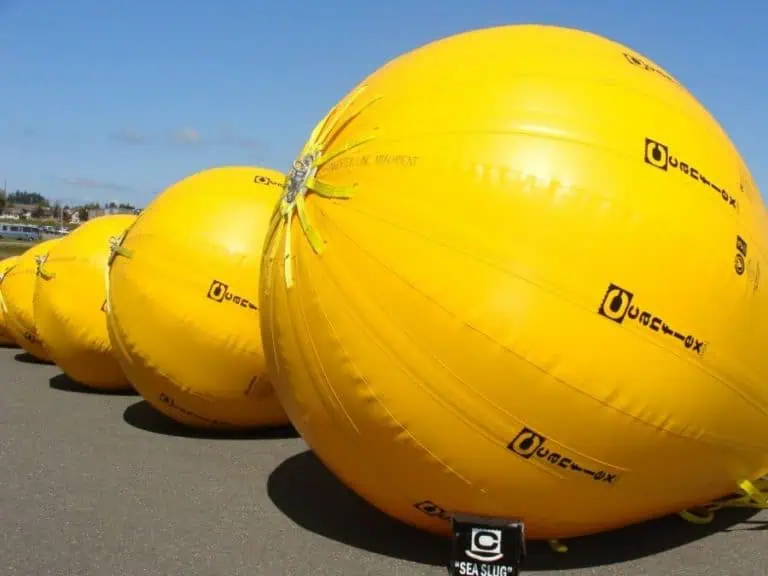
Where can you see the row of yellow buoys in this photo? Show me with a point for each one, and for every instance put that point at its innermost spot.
(515, 272)
(173, 316)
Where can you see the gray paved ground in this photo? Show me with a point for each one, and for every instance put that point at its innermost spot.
(94, 485)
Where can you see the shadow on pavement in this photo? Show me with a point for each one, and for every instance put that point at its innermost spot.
(310, 495)
(143, 416)
(27, 358)
(64, 383)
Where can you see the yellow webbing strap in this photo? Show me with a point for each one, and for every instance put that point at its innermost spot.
(302, 179)
(2, 300)
(750, 495)
(115, 249)
(40, 270)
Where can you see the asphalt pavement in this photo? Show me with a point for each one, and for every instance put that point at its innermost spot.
(102, 485)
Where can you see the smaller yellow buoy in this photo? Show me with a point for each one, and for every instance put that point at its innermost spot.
(18, 291)
(182, 300)
(70, 304)
(6, 338)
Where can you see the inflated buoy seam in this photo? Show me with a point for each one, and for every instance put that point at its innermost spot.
(557, 293)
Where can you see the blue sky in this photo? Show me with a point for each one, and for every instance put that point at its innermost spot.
(115, 100)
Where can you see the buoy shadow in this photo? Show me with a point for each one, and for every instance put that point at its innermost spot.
(27, 358)
(311, 496)
(64, 383)
(143, 416)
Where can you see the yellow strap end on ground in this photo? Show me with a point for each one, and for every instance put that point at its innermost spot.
(695, 518)
(557, 546)
(756, 496)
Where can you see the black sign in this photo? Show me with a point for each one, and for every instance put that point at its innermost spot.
(486, 546)
(658, 155)
(618, 306)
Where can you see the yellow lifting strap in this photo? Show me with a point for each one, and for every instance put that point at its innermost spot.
(750, 495)
(40, 270)
(302, 179)
(3, 308)
(115, 249)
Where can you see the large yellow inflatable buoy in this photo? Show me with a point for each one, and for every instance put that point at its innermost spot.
(18, 291)
(6, 338)
(517, 272)
(69, 304)
(182, 300)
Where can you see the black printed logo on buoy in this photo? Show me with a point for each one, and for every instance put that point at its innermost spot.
(217, 291)
(739, 265)
(640, 63)
(220, 292)
(741, 245)
(266, 181)
(658, 155)
(740, 260)
(526, 443)
(618, 305)
(431, 509)
(531, 445)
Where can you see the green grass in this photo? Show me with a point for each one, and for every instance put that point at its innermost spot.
(10, 248)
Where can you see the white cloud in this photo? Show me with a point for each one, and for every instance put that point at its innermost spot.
(92, 184)
(186, 136)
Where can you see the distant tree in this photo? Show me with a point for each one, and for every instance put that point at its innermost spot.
(82, 213)
(26, 198)
(56, 211)
(38, 212)
(3, 198)
(126, 206)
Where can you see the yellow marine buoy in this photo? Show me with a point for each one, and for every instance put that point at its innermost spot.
(6, 338)
(69, 303)
(182, 300)
(517, 272)
(18, 292)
